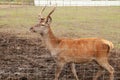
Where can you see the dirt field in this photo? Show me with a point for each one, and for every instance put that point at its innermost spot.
(22, 58)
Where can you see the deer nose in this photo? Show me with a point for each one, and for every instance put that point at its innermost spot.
(31, 28)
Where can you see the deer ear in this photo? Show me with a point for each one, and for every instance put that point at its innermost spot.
(49, 20)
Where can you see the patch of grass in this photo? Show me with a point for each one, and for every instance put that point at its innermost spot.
(70, 22)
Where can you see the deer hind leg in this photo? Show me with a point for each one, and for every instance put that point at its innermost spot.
(99, 73)
(59, 68)
(104, 63)
(74, 70)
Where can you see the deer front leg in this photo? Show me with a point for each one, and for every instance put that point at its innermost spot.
(74, 70)
(59, 68)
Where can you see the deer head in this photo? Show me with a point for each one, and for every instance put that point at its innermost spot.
(44, 23)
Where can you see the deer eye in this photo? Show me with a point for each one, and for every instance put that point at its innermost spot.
(42, 18)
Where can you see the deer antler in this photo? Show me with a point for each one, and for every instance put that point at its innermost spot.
(49, 17)
(52, 11)
(40, 15)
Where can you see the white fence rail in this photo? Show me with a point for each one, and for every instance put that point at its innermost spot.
(76, 3)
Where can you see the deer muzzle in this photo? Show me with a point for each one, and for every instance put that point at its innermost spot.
(32, 30)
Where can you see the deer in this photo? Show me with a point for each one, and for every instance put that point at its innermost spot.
(68, 50)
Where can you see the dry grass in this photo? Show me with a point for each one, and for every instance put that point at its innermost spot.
(73, 22)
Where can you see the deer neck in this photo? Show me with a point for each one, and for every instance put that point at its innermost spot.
(51, 41)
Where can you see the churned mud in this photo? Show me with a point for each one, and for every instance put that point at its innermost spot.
(28, 59)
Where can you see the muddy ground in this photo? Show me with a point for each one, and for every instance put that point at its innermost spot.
(28, 59)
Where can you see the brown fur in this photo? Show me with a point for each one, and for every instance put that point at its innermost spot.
(81, 50)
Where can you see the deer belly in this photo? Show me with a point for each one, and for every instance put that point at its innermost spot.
(82, 60)
(79, 59)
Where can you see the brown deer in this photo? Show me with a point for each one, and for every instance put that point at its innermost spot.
(81, 50)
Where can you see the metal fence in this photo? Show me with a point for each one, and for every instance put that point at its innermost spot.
(76, 3)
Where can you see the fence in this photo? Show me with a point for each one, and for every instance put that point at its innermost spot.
(62, 2)
(76, 3)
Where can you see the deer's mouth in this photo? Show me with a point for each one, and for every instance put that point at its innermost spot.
(33, 31)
